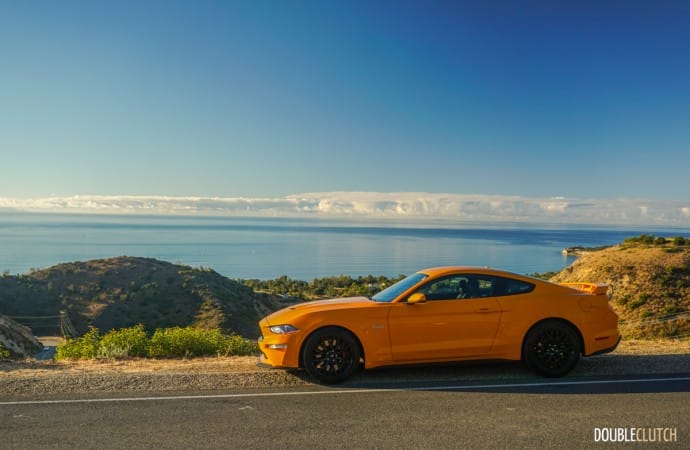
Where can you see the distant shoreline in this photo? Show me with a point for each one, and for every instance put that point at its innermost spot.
(579, 250)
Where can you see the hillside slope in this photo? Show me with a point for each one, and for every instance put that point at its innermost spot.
(120, 292)
(651, 285)
(17, 338)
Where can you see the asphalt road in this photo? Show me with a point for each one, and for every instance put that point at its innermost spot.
(534, 413)
(47, 353)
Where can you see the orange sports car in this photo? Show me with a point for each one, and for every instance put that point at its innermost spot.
(444, 314)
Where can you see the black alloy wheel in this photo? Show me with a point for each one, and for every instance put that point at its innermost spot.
(552, 348)
(331, 355)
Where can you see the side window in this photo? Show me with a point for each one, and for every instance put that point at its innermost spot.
(473, 286)
(479, 286)
(509, 286)
(446, 288)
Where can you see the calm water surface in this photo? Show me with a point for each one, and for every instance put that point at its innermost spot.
(303, 249)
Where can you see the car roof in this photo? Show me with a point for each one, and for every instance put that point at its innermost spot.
(439, 271)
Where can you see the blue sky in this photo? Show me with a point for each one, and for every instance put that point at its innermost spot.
(270, 99)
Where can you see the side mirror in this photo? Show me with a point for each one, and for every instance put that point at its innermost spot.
(417, 297)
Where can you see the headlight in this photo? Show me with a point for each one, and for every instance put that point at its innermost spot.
(283, 329)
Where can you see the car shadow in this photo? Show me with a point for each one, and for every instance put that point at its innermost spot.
(609, 373)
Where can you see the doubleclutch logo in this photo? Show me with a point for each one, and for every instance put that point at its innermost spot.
(635, 434)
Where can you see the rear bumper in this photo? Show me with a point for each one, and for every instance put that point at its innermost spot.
(608, 349)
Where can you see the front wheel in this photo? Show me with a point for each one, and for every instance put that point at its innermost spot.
(552, 348)
(331, 355)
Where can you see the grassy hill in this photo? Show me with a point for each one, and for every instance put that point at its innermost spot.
(651, 283)
(121, 292)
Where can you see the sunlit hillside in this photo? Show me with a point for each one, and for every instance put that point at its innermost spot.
(651, 283)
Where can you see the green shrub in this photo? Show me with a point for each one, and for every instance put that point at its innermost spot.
(189, 341)
(641, 300)
(85, 347)
(4, 353)
(543, 275)
(646, 313)
(177, 341)
(165, 343)
(680, 241)
(648, 239)
(123, 343)
(238, 346)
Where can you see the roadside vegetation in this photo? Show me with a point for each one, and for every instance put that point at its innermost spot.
(670, 245)
(175, 342)
(319, 288)
(543, 275)
(4, 353)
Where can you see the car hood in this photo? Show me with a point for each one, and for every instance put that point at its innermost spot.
(286, 314)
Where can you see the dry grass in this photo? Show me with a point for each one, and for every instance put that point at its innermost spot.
(654, 347)
(142, 365)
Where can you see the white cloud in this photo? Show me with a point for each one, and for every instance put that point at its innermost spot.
(379, 205)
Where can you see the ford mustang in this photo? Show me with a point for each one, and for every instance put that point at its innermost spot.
(444, 314)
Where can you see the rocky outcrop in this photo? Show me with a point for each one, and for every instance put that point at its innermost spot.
(18, 339)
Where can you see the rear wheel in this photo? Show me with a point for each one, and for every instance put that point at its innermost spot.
(552, 348)
(331, 355)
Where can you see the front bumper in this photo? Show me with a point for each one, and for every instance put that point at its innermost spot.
(279, 351)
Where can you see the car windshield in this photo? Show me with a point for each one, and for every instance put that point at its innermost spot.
(390, 293)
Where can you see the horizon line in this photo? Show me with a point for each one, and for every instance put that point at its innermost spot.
(415, 206)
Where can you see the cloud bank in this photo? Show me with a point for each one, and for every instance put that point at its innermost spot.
(379, 205)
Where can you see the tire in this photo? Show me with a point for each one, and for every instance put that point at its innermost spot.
(331, 355)
(551, 348)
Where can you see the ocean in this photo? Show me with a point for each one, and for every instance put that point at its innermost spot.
(267, 248)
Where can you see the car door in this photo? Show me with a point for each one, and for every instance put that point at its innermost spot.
(455, 322)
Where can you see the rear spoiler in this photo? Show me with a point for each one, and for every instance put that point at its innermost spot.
(590, 288)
